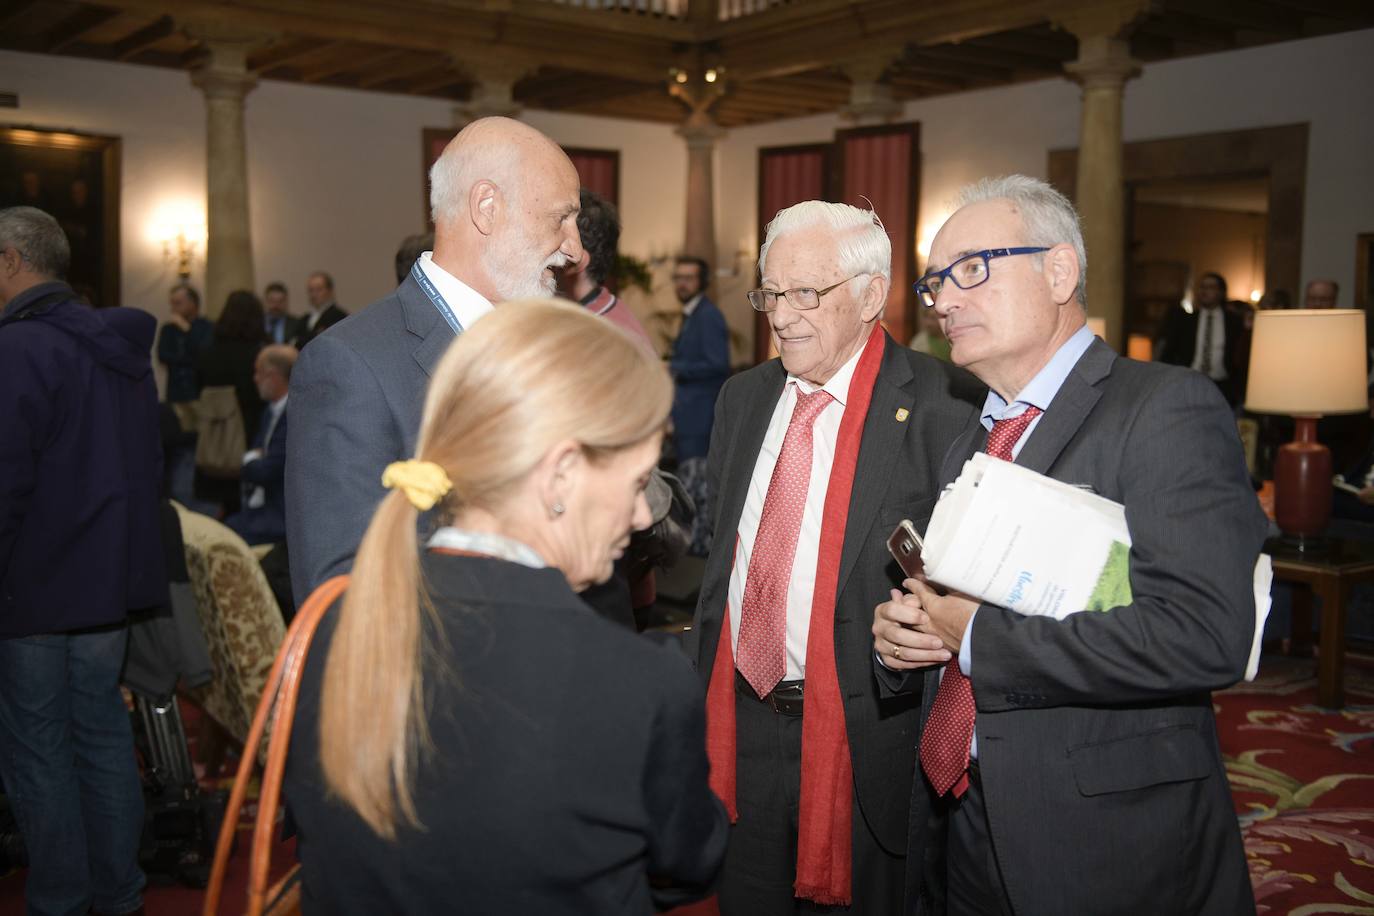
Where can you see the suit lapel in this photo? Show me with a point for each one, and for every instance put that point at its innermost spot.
(423, 321)
(880, 450)
(1070, 407)
(962, 448)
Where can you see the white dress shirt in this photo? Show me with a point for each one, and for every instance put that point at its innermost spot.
(257, 496)
(468, 305)
(800, 591)
(1217, 319)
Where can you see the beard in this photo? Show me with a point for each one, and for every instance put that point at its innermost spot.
(516, 269)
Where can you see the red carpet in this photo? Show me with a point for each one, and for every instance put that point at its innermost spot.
(1303, 779)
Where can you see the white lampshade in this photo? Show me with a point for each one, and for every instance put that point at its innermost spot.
(1307, 362)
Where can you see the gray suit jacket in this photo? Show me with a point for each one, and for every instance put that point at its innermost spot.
(1102, 775)
(357, 393)
(894, 479)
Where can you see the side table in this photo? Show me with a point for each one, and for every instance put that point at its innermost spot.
(1329, 574)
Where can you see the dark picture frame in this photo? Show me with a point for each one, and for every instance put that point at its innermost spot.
(75, 177)
(1364, 270)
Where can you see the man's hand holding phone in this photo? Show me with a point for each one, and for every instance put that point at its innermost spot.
(897, 637)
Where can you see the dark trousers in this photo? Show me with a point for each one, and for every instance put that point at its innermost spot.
(760, 864)
(974, 878)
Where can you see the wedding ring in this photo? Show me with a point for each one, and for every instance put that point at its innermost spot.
(896, 651)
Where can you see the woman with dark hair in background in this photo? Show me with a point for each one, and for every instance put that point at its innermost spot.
(471, 737)
(239, 335)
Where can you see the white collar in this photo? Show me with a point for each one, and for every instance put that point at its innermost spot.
(691, 304)
(489, 543)
(838, 385)
(468, 305)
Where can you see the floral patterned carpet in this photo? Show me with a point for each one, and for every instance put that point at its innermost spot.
(1303, 780)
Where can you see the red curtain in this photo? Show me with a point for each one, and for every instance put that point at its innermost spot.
(879, 163)
(599, 171)
(787, 175)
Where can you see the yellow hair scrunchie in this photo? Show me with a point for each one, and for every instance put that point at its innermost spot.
(423, 482)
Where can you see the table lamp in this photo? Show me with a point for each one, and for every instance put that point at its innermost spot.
(1306, 363)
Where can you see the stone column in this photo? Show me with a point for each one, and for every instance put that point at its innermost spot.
(1104, 64)
(493, 90)
(870, 101)
(700, 132)
(224, 78)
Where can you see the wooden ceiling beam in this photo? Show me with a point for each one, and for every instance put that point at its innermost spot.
(967, 55)
(280, 55)
(424, 85)
(16, 13)
(1050, 45)
(583, 91)
(419, 64)
(70, 30)
(141, 39)
(354, 61)
(1254, 15)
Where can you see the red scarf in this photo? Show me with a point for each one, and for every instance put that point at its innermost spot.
(824, 837)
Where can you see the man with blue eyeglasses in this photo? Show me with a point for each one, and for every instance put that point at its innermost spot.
(1072, 766)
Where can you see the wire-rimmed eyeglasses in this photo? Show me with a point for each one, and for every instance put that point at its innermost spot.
(801, 297)
(969, 271)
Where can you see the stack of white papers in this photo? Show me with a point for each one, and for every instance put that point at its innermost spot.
(1009, 536)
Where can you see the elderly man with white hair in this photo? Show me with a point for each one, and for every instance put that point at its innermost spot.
(504, 199)
(814, 458)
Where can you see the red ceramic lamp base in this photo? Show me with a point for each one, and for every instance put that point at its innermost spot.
(1302, 483)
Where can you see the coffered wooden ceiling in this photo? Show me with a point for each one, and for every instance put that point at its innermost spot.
(778, 58)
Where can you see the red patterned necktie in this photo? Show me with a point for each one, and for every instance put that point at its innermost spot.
(949, 730)
(761, 654)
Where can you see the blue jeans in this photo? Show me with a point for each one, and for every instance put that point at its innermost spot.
(67, 758)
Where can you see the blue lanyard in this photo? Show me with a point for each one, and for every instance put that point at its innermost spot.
(436, 297)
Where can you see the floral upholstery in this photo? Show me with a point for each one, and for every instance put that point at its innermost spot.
(243, 625)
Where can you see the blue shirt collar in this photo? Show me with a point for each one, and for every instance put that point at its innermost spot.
(1041, 389)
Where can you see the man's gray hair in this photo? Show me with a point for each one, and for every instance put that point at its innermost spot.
(454, 173)
(280, 358)
(860, 238)
(1048, 217)
(39, 240)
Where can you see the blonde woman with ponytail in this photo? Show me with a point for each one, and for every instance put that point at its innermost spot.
(470, 736)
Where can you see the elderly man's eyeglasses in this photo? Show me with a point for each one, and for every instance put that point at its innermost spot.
(802, 297)
(969, 271)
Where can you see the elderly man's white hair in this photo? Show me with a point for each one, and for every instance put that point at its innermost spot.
(1047, 216)
(860, 238)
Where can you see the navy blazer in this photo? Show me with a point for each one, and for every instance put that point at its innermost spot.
(267, 523)
(80, 465)
(357, 393)
(700, 366)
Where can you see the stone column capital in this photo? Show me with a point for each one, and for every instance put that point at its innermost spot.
(870, 100)
(494, 79)
(1103, 63)
(1103, 19)
(222, 71)
(700, 131)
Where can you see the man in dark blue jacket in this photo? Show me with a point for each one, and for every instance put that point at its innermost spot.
(263, 517)
(80, 546)
(700, 365)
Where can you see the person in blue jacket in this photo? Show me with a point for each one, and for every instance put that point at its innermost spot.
(80, 547)
(700, 365)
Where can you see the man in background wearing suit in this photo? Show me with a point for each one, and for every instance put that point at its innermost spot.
(815, 457)
(700, 364)
(1212, 339)
(1072, 766)
(281, 326)
(504, 202)
(324, 311)
(263, 517)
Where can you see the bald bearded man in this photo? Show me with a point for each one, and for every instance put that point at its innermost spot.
(504, 200)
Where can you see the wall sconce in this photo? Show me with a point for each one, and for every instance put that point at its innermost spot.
(180, 230)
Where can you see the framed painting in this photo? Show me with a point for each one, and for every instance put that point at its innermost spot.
(74, 177)
(1364, 276)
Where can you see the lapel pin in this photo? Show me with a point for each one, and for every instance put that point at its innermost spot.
(902, 414)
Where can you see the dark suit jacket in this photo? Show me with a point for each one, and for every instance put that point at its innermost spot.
(569, 765)
(700, 365)
(331, 316)
(357, 394)
(895, 479)
(292, 326)
(266, 524)
(1180, 343)
(1102, 776)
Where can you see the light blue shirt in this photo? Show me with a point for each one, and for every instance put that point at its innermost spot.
(1039, 392)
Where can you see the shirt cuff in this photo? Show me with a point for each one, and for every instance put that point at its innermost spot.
(966, 647)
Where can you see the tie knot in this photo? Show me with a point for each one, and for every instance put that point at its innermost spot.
(1007, 431)
(809, 406)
